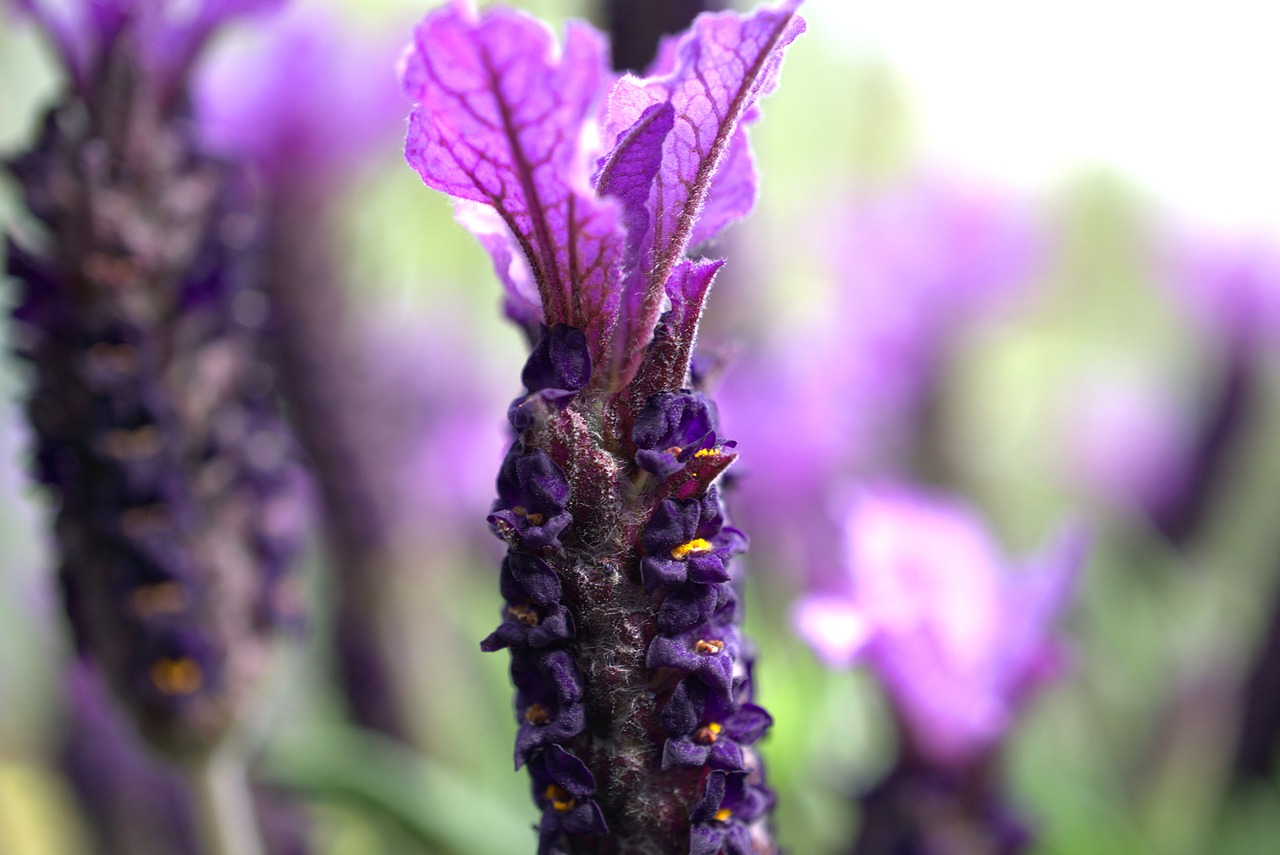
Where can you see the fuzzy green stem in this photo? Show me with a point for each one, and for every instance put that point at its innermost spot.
(224, 805)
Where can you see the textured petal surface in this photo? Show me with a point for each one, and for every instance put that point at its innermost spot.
(499, 119)
(719, 70)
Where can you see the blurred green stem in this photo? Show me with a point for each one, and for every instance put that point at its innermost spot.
(224, 805)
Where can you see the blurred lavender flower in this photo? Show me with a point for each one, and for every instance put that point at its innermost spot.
(1231, 288)
(958, 638)
(307, 106)
(620, 610)
(916, 266)
(156, 423)
(134, 803)
(1127, 441)
(166, 36)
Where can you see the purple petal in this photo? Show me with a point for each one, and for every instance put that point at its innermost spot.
(733, 190)
(667, 362)
(499, 119)
(722, 66)
(627, 173)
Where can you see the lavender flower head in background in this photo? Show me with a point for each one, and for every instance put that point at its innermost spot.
(913, 266)
(958, 637)
(633, 688)
(154, 411)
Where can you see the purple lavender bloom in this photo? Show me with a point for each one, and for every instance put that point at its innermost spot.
(178, 507)
(916, 266)
(562, 788)
(959, 639)
(674, 428)
(587, 193)
(708, 731)
(548, 699)
(532, 495)
(1231, 287)
(166, 35)
(310, 102)
(300, 102)
(958, 636)
(1229, 284)
(722, 820)
(557, 370)
(1127, 441)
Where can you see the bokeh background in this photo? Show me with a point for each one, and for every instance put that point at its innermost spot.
(1027, 254)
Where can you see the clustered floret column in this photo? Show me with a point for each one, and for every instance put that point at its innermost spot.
(617, 578)
(633, 685)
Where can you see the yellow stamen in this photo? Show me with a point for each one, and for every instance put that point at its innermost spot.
(119, 357)
(162, 598)
(708, 735)
(139, 522)
(691, 547)
(133, 444)
(723, 815)
(560, 800)
(177, 676)
(534, 519)
(524, 613)
(708, 648)
(707, 452)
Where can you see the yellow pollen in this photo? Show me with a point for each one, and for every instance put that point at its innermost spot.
(136, 444)
(560, 800)
(177, 676)
(162, 598)
(707, 452)
(692, 547)
(524, 613)
(708, 648)
(139, 522)
(534, 519)
(708, 735)
(723, 815)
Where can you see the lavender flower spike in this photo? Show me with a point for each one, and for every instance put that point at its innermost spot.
(959, 641)
(634, 700)
(177, 495)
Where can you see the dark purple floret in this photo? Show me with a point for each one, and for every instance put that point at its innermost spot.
(532, 496)
(548, 699)
(528, 625)
(562, 788)
(527, 578)
(706, 731)
(722, 820)
(672, 429)
(708, 651)
(153, 405)
(687, 541)
(557, 370)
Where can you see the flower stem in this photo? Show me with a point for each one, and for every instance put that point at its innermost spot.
(224, 805)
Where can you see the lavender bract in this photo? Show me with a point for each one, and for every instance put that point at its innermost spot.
(177, 497)
(620, 606)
